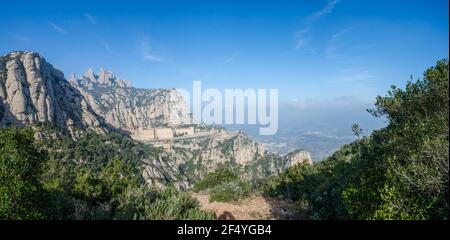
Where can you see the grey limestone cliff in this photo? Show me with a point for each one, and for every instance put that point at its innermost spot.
(129, 108)
(32, 91)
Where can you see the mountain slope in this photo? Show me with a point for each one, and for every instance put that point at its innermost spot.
(32, 91)
(129, 108)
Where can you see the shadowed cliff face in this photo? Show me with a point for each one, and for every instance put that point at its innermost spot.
(128, 108)
(32, 91)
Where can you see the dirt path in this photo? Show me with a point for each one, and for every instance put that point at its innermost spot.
(251, 208)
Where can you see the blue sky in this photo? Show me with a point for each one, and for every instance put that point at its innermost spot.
(312, 51)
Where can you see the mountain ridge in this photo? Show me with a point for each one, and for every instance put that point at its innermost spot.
(129, 108)
(32, 91)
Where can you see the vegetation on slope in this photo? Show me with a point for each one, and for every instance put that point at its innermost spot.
(223, 186)
(398, 172)
(21, 194)
(94, 177)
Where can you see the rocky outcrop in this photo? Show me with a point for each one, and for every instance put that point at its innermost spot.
(297, 157)
(128, 108)
(32, 91)
(245, 150)
(187, 161)
(161, 171)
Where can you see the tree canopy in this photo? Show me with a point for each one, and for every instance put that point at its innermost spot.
(398, 172)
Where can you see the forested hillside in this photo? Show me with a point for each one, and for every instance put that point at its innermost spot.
(398, 172)
(43, 179)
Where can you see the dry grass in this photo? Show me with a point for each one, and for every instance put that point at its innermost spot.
(252, 208)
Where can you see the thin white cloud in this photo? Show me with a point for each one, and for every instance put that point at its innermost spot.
(90, 18)
(103, 43)
(147, 53)
(58, 28)
(302, 36)
(356, 77)
(231, 58)
(351, 70)
(106, 46)
(372, 45)
(353, 75)
(330, 51)
(153, 58)
(324, 11)
(21, 38)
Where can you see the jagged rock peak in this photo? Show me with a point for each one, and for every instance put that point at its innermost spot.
(103, 78)
(90, 75)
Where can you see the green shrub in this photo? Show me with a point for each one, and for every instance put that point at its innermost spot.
(21, 193)
(215, 178)
(146, 203)
(230, 191)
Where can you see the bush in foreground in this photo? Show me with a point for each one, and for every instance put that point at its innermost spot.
(230, 191)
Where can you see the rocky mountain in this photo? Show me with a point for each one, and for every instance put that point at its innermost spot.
(188, 161)
(185, 162)
(128, 108)
(32, 91)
